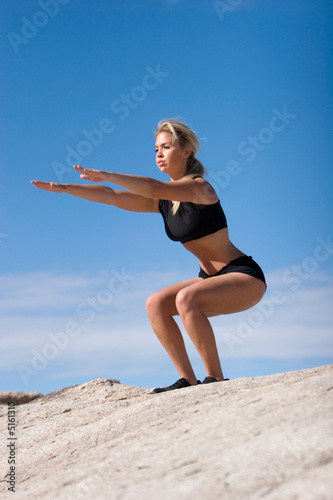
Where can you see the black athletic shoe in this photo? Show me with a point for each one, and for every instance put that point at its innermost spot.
(209, 380)
(182, 382)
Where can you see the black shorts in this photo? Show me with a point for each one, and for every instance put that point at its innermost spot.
(244, 264)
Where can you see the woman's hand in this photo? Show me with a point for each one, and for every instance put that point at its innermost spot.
(92, 175)
(54, 187)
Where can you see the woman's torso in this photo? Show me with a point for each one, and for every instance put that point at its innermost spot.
(214, 250)
(203, 231)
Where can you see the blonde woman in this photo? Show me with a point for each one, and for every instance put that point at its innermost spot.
(228, 282)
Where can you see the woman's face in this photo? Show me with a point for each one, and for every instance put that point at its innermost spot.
(170, 158)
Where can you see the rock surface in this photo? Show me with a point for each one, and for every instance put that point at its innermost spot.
(251, 438)
(18, 397)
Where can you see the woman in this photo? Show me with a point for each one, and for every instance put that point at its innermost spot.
(229, 281)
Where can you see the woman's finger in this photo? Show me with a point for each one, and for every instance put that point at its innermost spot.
(82, 169)
(40, 184)
(90, 174)
(48, 186)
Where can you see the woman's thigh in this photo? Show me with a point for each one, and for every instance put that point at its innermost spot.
(226, 294)
(166, 298)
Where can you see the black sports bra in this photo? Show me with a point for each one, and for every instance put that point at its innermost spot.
(192, 221)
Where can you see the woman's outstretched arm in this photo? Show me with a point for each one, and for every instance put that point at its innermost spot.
(102, 194)
(185, 189)
(138, 184)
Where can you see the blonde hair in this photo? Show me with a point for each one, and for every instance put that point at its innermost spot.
(187, 139)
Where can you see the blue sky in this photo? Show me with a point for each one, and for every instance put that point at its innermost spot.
(87, 82)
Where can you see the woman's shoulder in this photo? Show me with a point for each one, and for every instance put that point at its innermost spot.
(207, 192)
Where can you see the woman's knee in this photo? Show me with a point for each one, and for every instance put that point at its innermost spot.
(154, 304)
(186, 301)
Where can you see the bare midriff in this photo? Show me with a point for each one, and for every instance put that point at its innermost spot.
(214, 251)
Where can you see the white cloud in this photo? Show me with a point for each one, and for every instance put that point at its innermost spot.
(290, 321)
(115, 330)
